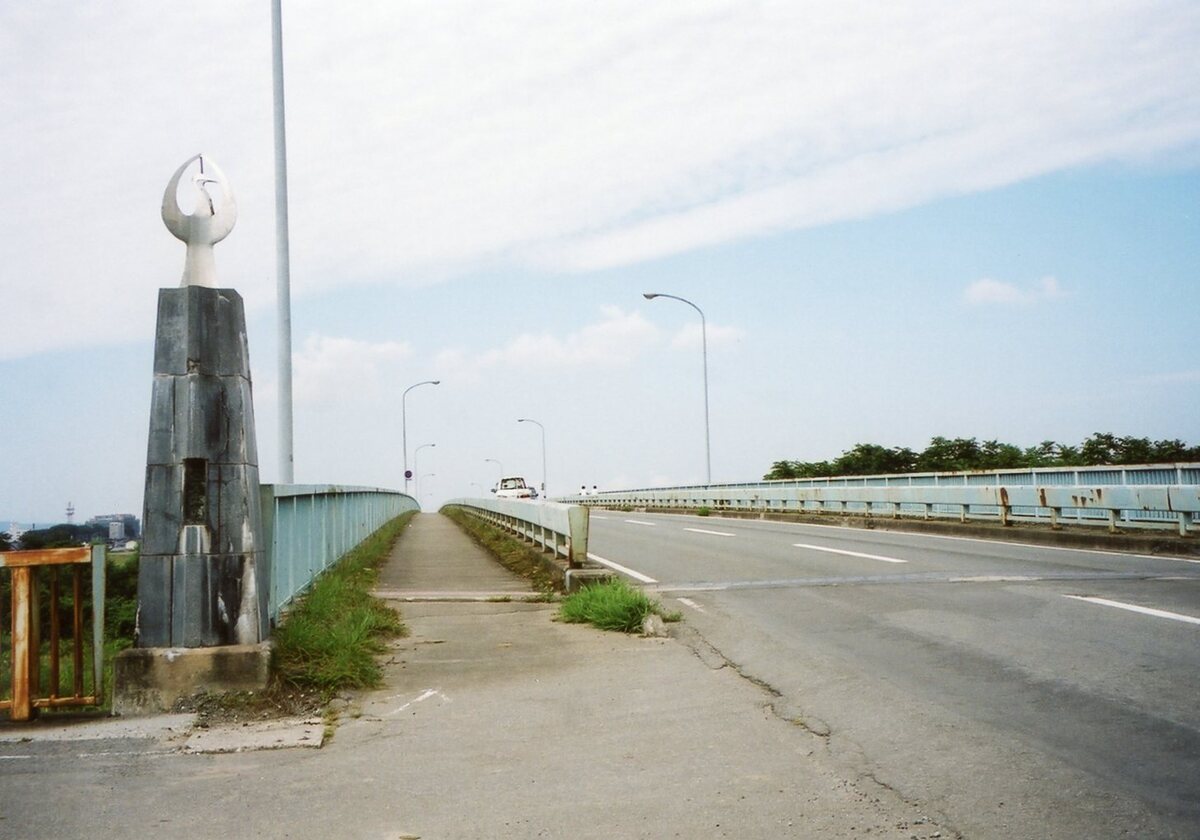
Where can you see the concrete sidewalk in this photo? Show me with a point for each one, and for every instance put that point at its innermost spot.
(435, 560)
(496, 722)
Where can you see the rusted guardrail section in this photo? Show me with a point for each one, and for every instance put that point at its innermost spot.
(28, 656)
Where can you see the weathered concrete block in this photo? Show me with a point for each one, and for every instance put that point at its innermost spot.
(207, 580)
(150, 680)
(201, 333)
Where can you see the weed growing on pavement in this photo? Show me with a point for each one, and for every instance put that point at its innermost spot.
(329, 639)
(611, 605)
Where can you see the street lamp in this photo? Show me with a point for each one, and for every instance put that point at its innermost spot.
(498, 464)
(404, 423)
(419, 477)
(543, 428)
(704, 350)
(417, 461)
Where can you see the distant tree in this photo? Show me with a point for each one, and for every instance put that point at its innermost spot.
(944, 455)
(1101, 448)
(1166, 451)
(62, 536)
(782, 469)
(1045, 454)
(6, 541)
(871, 459)
(960, 454)
(994, 455)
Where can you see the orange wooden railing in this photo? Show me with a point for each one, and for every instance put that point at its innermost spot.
(27, 694)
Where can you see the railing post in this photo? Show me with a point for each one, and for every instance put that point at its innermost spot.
(25, 642)
(99, 588)
(1185, 522)
(577, 518)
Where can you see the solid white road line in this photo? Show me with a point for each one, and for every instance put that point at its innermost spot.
(849, 553)
(1034, 546)
(617, 567)
(639, 522)
(1135, 608)
(690, 603)
(714, 533)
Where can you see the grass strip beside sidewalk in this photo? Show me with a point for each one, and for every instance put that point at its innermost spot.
(328, 641)
(511, 553)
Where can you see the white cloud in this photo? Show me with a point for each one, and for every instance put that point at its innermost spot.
(617, 339)
(331, 370)
(428, 138)
(689, 336)
(987, 291)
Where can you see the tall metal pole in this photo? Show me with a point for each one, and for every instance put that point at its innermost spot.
(704, 350)
(417, 466)
(283, 280)
(543, 428)
(498, 464)
(404, 423)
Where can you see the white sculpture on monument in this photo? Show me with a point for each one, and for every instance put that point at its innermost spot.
(207, 226)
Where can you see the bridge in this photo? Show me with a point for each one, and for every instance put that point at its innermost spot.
(1015, 657)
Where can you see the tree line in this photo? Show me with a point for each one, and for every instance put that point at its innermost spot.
(56, 536)
(959, 454)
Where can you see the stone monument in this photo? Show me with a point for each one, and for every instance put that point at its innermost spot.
(203, 579)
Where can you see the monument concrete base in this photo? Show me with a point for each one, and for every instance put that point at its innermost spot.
(151, 680)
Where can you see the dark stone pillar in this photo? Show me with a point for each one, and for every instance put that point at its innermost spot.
(203, 578)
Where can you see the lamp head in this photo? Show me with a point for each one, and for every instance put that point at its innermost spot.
(650, 295)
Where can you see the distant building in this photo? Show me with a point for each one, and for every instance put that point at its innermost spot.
(131, 524)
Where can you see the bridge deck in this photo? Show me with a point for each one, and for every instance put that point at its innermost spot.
(435, 560)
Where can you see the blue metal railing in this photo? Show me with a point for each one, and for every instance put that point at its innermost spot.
(903, 494)
(307, 527)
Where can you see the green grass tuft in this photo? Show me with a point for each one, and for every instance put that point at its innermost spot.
(329, 640)
(611, 605)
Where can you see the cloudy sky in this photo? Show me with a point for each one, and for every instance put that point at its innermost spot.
(901, 220)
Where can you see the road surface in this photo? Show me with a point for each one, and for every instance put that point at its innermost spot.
(1020, 691)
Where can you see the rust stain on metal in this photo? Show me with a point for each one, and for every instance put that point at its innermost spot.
(25, 622)
(1004, 496)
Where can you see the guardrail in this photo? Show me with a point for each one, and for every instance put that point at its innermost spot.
(560, 529)
(307, 527)
(26, 657)
(1116, 496)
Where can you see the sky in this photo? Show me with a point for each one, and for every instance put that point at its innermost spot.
(901, 220)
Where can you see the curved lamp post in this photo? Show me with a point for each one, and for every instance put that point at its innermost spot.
(419, 477)
(416, 463)
(498, 464)
(543, 428)
(704, 350)
(404, 423)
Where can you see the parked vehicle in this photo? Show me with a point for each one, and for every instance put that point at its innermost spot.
(514, 487)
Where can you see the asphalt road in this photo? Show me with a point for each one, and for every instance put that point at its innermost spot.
(1019, 691)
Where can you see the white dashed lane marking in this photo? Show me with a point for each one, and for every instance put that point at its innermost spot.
(849, 553)
(1121, 605)
(617, 567)
(714, 533)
